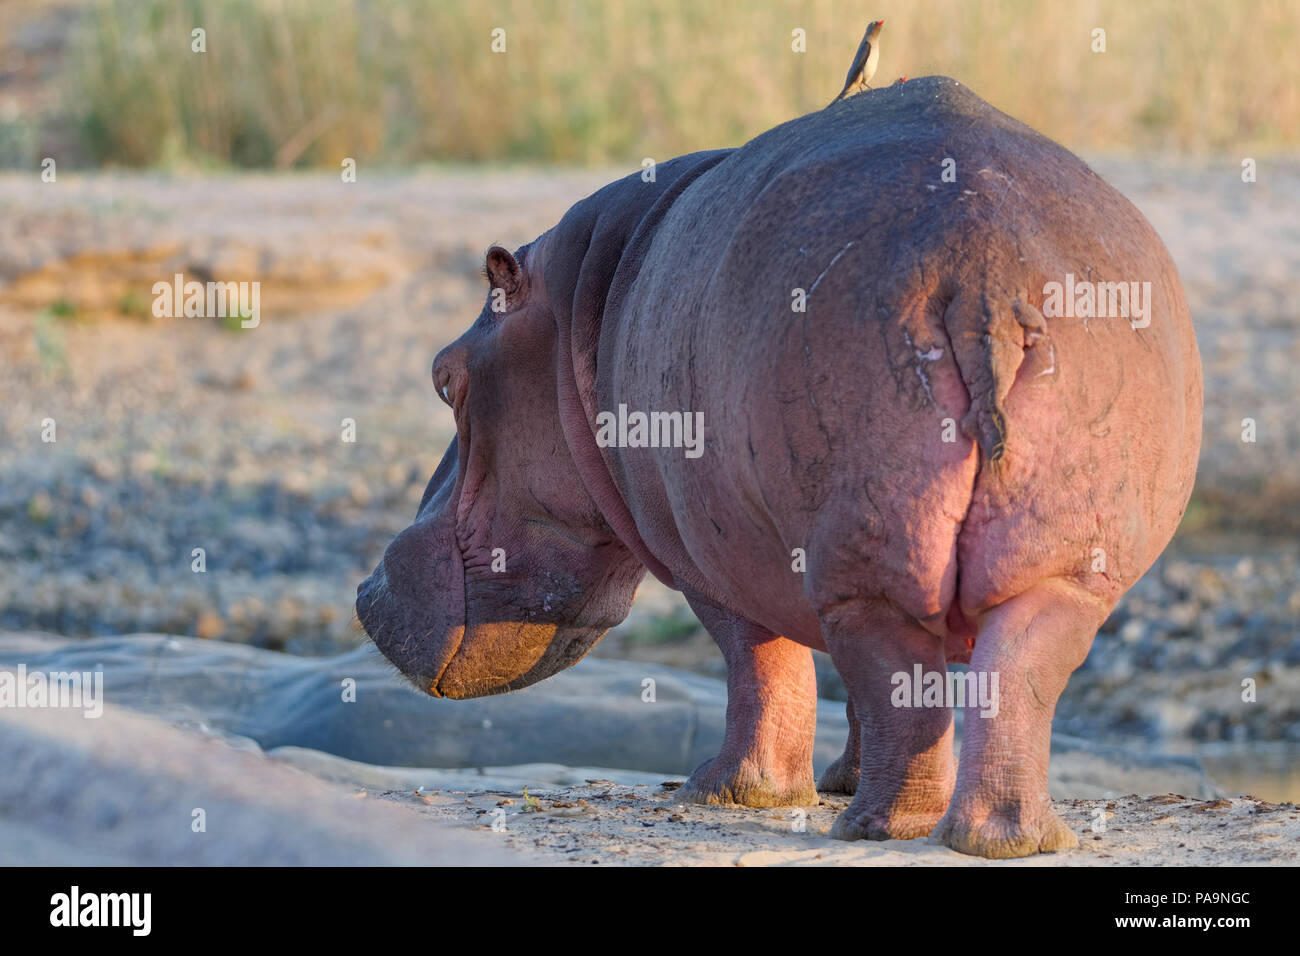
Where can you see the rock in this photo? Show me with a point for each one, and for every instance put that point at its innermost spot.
(591, 716)
(123, 790)
(538, 777)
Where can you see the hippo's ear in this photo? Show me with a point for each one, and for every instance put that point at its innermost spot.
(503, 271)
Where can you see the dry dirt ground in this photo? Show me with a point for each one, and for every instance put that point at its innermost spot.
(121, 790)
(176, 434)
(603, 823)
(599, 821)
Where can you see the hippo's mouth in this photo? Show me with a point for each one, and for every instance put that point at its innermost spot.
(420, 648)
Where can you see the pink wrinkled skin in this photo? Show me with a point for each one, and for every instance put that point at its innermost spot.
(966, 479)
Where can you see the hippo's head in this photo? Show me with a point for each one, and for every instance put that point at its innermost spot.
(509, 572)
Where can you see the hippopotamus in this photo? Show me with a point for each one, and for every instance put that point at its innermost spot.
(827, 385)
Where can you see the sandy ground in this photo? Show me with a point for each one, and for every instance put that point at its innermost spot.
(600, 823)
(580, 819)
(286, 770)
(126, 789)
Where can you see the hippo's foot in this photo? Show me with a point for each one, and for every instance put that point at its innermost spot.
(717, 781)
(1001, 807)
(766, 755)
(841, 777)
(861, 824)
(898, 762)
(894, 810)
(1004, 832)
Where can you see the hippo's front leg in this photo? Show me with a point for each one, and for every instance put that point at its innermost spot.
(766, 758)
(1032, 643)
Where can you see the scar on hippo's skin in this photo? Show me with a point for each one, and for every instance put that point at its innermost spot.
(1011, 184)
(933, 355)
(1051, 351)
(818, 280)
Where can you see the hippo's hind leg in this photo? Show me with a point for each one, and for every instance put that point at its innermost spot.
(766, 758)
(906, 767)
(842, 775)
(1031, 643)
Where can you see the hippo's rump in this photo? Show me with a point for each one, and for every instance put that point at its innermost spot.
(856, 301)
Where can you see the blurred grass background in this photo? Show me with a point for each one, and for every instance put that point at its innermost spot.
(308, 82)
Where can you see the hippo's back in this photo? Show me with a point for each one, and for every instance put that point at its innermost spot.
(861, 303)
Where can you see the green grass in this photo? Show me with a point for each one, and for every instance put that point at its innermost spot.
(135, 305)
(63, 309)
(51, 348)
(232, 322)
(309, 82)
(669, 629)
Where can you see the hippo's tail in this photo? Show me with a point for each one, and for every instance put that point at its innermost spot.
(991, 330)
